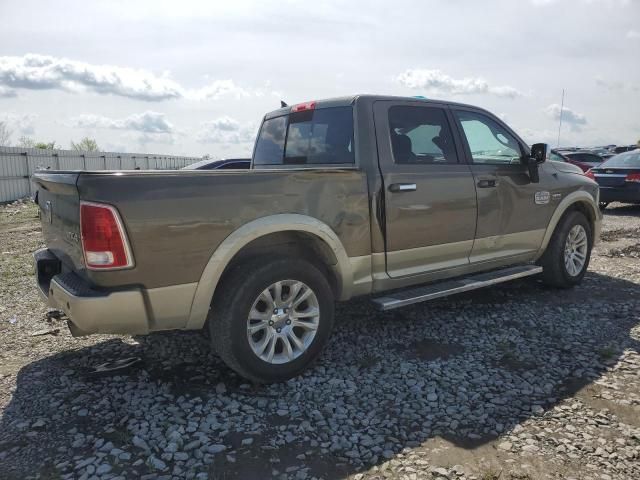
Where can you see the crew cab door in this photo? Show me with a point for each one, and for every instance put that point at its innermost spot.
(429, 194)
(513, 212)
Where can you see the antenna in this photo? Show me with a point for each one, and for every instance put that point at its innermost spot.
(560, 125)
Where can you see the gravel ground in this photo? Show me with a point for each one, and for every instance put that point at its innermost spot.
(512, 382)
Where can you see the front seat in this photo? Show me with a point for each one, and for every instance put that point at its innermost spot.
(402, 148)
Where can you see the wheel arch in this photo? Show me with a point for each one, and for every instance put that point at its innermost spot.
(581, 201)
(261, 233)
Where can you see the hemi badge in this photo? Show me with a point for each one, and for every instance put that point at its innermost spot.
(556, 196)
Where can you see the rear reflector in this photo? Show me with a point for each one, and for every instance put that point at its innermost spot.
(633, 177)
(104, 242)
(301, 107)
(590, 174)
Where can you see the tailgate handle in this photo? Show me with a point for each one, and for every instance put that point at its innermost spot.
(402, 187)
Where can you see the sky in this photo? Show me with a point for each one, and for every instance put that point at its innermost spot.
(196, 77)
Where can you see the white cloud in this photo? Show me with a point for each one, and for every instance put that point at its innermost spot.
(23, 124)
(225, 130)
(43, 72)
(218, 89)
(574, 119)
(148, 122)
(633, 34)
(440, 83)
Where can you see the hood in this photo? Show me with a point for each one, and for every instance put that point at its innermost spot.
(566, 167)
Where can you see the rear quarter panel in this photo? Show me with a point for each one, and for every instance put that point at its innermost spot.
(175, 220)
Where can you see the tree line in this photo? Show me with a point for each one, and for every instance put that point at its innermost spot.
(85, 144)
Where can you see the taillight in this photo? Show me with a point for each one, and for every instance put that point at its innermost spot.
(301, 107)
(104, 242)
(633, 177)
(590, 174)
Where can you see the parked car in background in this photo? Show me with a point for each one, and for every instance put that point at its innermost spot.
(625, 148)
(619, 178)
(226, 164)
(584, 157)
(602, 152)
(563, 156)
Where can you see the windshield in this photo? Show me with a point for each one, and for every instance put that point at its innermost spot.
(624, 160)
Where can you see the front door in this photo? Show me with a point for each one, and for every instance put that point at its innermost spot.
(430, 199)
(513, 212)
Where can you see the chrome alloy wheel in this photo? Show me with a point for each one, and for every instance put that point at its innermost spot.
(283, 321)
(575, 250)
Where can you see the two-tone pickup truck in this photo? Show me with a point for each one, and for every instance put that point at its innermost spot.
(405, 199)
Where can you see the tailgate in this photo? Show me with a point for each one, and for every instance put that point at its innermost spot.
(59, 204)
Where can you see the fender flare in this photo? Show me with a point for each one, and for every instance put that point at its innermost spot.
(579, 196)
(248, 232)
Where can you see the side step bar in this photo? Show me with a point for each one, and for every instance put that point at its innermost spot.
(442, 289)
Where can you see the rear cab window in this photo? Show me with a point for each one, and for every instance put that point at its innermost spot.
(320, 136)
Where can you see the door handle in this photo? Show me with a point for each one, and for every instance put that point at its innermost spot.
(487, 183)
(402, 187)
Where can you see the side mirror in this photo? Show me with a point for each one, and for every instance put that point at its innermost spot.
(539, 152)
(538, 156)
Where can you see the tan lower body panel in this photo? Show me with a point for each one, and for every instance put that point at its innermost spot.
(509, 245)
(413, 261)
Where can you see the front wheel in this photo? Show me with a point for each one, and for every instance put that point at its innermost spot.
(567, 256)
(271, 318)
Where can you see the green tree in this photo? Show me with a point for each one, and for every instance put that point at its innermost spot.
(85, 145)
(28, 142)
(45, 146)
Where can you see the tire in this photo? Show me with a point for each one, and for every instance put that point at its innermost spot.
(555, 272)
(243, 291)
(603, 205)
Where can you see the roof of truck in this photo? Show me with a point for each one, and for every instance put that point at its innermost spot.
(350, 99)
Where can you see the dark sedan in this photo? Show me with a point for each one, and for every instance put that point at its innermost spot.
(619, 178)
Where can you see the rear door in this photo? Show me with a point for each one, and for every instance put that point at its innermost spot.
(512, 212)
(429, 195)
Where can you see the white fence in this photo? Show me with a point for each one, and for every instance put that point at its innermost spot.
(18, 164)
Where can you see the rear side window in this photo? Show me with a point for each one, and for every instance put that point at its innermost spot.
(322, 136)
(421, 135)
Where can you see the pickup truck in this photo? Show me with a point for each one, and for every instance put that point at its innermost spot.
(401, 199)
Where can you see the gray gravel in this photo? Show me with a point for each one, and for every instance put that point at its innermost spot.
(517, 381)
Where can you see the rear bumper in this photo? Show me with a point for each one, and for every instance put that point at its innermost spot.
(625, 194)
(89, 310)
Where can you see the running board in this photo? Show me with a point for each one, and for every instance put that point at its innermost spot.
(442, 289)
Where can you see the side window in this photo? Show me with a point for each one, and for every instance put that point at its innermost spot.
(489, 142)
(270, 145)
(320, 136)
(421, 135)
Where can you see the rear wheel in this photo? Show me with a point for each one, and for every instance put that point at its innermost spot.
(272, 318)
(566, 259)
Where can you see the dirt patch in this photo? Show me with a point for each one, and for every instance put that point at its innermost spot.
(619, 233)
(632, 251)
